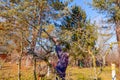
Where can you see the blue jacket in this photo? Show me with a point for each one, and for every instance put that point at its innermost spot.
(62, 60)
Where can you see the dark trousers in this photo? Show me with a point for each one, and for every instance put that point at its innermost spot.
(61, 72)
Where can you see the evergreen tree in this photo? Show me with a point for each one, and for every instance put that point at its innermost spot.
(79, 33)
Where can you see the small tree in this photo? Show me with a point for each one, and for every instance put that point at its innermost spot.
(31, 15)
(112, 10)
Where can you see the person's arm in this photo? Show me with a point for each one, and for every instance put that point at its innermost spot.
(58, 51)
(57, 47)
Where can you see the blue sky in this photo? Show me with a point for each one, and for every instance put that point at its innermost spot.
(91, 14)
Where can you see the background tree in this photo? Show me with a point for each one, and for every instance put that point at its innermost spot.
(12, 39)
(111, 8)
(77, 31)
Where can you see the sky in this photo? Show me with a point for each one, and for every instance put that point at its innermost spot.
(93, 15)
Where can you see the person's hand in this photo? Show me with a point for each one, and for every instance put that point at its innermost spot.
(68, 54)
(55, 39)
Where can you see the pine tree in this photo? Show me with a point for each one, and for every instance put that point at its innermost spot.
(78, 31)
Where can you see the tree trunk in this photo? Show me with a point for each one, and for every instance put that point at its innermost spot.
(20, 58)
(118, 38)
(75, 62)
(118, 34)
(78, 63)
(34, 68)
(19, 69)
(94, 67)
(94, 64)
(104, 61)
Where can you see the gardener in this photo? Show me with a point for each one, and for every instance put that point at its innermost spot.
(62, 60)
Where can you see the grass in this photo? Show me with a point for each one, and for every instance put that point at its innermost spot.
(9, 72)
(88, 73)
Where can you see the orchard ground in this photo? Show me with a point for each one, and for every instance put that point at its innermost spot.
(10, 72)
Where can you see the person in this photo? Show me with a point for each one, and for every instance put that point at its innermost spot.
(62, 63)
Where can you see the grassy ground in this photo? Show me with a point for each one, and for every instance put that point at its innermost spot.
(9, 72)
(88, 73)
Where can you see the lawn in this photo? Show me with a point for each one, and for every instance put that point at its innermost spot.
(88, 73)
(9, 72)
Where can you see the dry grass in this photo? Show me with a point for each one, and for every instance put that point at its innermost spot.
(88, 73)
(9, 72)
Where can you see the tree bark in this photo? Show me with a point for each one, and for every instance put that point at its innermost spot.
(20, 58)
(118, 37)
(94, 66)
(34, 68)
(75, 62)
(19, 69)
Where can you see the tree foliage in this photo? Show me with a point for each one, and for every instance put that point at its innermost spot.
(79, 33)
(30, 17)
(33, 15)
(110, 7)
